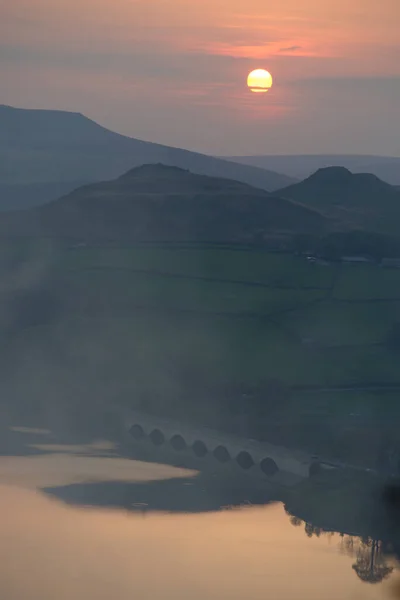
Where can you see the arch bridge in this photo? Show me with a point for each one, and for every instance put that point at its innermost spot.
(204, 449)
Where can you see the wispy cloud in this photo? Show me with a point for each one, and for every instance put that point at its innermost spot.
(262, 50)
(290, 49)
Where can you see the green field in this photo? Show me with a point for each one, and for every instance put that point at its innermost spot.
(254, 314)
(150, 317)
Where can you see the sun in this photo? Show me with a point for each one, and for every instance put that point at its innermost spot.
(259, 80)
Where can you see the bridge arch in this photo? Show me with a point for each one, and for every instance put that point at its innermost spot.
(245, 460)
(137, 431)
(199, 448)
(157, 437)
(269, 467)
(221, 454)
(178, 443)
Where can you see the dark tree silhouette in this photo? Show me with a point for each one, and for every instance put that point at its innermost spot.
(311, 530)
(371, 565)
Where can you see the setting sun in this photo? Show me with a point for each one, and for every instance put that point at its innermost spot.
(259, 80)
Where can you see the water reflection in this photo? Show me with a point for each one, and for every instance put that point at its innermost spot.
(60, 551)
(72, 525)
(368, 525)
(200, 493)
(371, 555)
(371, 565)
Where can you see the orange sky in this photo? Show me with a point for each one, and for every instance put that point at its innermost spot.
(151, 68)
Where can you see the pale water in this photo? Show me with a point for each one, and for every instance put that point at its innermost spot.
(53, 547)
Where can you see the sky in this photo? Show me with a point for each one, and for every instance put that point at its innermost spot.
(174, 71)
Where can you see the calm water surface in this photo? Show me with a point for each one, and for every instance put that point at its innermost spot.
(52, 546)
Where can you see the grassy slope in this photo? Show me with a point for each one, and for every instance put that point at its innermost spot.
(271, 314)
(138, 319)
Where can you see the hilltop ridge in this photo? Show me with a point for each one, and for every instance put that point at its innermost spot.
(301, 166)
(360, 200)
(160, 202)
(48, 146)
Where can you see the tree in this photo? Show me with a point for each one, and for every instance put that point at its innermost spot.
(371, 565)
(311, 530)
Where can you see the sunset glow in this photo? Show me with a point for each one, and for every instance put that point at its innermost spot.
(328, 61)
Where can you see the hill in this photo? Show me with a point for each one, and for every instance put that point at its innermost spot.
(182, 315)
(301, 166)
(25, 195)
(361, 201)
(163, 203)
(48, 147)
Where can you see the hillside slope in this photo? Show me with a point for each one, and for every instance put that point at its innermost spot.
(161, 203)
(306, 350)
(42, 146)
(358, 200)
(25, 195)
(301, 166)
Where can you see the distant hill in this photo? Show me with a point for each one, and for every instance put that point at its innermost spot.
(301, 166)
(47, 147)
(360, 201)
(25, 195)
(158, 202)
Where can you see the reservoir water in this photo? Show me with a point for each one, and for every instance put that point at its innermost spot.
(81, 523)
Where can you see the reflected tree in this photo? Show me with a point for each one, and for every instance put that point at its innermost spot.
(347, 544)
(295, 521)
(371, 565)
(311, 530)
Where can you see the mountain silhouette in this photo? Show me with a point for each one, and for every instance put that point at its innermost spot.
(303, 165)
(47, 147)
(358, 201)
(163, 203)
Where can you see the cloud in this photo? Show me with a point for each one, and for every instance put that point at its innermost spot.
(290, 49)
(265, 49)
